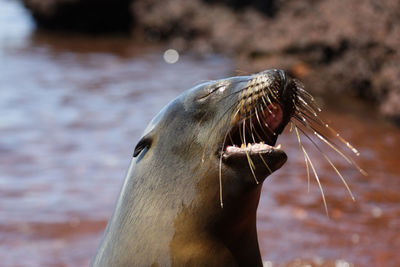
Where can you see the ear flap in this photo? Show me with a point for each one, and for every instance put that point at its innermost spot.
(145, 142)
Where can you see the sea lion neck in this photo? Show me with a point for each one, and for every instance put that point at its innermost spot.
(229, 231)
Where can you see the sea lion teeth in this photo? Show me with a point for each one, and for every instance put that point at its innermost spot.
(253, 148)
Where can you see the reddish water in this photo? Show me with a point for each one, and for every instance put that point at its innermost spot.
(71, 111)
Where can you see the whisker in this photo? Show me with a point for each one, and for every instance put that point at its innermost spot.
(221, 202)
(261, 123)
(305, 158)
(265, 163)
(265, 96)
(332, 165)
(335, 133)
(306, 96)
(252, 131)
(317, 179)
(331, 145)
(307, 106)
(265, 123)
(311, 107)
(229, 109)
(349, 159)
(255, 131)
(312, 118)
(351, 147)
(251, 164)
(242, 89)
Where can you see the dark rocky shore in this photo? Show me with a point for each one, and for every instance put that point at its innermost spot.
(346, 46)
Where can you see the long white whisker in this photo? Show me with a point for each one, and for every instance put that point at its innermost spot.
(331, 145)
(318, 181)
(332, 165)
(305, 158)
(251, 164)
(221, 201)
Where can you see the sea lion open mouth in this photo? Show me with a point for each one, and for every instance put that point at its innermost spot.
(261, 133)
(265, 106)
(254, 138)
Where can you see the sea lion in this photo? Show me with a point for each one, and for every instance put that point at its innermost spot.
(191, 193)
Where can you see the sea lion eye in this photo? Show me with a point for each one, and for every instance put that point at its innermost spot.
(210, 90)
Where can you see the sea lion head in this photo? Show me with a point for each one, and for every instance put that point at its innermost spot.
(228, 126)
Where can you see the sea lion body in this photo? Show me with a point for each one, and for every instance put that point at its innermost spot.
(168, 212)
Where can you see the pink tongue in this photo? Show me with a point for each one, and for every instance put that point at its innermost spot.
(273, 116)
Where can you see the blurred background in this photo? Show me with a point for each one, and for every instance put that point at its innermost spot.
(80, 80)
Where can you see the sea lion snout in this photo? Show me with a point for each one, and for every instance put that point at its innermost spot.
(261, 106)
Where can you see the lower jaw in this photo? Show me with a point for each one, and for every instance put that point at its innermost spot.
(266, 160)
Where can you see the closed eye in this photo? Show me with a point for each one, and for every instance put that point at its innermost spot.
(211, 90)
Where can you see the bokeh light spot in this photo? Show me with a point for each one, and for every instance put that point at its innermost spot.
(171, 56)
